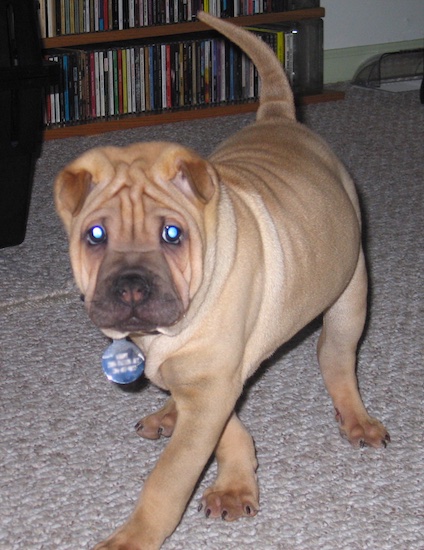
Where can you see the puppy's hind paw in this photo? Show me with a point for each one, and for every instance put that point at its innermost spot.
(363, 432)
(160, 423)
(383, 443)
(228, 505)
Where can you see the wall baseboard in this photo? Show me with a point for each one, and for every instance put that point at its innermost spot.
(341, 64)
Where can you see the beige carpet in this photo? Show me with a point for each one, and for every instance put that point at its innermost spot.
(71, 465)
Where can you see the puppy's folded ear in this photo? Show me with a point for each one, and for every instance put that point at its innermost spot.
(70, 190)
(75, 182)
(195, 178)
(190, 173)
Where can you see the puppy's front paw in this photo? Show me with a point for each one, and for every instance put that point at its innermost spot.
(229, 504)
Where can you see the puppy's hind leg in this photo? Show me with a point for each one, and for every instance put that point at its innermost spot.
(235, 491)
(343, 325)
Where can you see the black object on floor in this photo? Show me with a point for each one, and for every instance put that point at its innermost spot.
(22, 78)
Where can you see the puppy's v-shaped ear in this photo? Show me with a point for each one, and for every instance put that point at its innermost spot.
(189, 172)
(196, 178)
(70, 190)
(76, 181)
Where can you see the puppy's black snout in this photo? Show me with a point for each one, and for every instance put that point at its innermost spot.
(132, 289)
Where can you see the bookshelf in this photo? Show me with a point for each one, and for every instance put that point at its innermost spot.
(168, 32)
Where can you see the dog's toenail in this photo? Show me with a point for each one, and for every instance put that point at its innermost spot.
(199, 508)
(248, 510)
(138, 426)
(362, 444)
(208, 512)
(160, 430)
(387, 438)
(224, 514)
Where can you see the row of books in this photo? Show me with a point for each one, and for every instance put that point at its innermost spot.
(110, 82)
(63, 17)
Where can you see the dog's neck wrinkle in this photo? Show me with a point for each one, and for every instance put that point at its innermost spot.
(213, 278)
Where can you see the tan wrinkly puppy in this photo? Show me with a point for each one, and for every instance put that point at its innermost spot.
(265, 235)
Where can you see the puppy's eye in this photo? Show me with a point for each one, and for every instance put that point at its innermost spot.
(96, 235)
(172, 234)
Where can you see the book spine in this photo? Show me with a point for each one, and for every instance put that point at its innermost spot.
(75, 88)
(116, 84)
(120, 83)
(152, 77)
(129, 81)
(102, 90)
(165, 104)
(142, 81)
(133, 81)
(158, 76)
(136, 76)
(124, 74)
(194, 94)
(175, 79)
(110, 103)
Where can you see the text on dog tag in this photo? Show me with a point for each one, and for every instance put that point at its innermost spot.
(123, 362)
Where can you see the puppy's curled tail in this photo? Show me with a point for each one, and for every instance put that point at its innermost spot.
(276, 98)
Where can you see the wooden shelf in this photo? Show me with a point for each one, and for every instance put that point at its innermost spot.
(179, 29)
(165, 117)
(190, 27)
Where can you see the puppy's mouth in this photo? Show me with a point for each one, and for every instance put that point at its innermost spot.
(135, 301)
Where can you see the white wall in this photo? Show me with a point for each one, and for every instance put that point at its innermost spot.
(355, 30)
(350, 23)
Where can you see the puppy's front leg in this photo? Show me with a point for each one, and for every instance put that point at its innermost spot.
(203, 410)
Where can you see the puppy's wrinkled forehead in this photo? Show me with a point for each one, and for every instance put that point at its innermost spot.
(156, 169)
(123, 181)
(126, 179)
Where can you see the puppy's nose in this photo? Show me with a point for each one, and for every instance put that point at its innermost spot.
(132, 289)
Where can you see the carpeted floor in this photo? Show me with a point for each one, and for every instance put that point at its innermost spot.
(71, 463)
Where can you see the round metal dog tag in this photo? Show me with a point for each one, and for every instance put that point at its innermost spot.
(123, 362)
